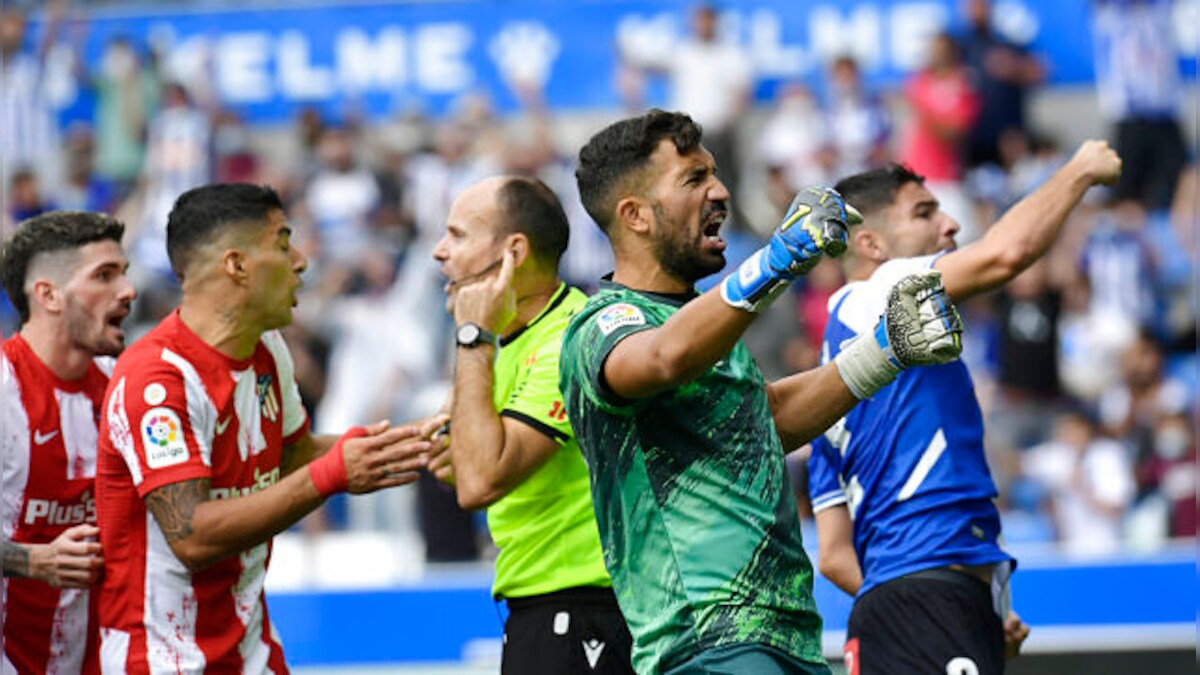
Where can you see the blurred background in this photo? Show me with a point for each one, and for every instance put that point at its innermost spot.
(368, 118)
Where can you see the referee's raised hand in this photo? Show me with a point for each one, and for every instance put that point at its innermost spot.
(490, 302)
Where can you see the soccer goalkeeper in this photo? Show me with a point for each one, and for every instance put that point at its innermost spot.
(684, 439)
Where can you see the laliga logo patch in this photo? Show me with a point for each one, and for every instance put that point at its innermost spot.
(162, 436)
(619, 315)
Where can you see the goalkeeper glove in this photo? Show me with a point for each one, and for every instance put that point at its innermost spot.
(920, 327)
(815, 223)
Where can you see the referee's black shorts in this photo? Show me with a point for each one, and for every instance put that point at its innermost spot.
(577, 630)
(935, 621)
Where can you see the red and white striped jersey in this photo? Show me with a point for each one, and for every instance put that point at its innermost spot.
(47, 466)
(177, 409)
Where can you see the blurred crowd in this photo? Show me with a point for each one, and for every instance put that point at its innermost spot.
(1085, 365)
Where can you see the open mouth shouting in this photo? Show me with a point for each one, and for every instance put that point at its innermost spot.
(713, 217)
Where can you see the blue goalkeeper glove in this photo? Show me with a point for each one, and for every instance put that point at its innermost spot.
(815, 223)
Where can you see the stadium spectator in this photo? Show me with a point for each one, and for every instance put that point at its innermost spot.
(1119, 267)
(341, 199)
(127, 93)
(795, 145)
(859, 124)
(1090, 482)
(26, 197)
(65, 271)
(1027, 312)
(944, 105)
(683, 437)
(205, 452)
(921, 554)
(1139, 85)
(1004, 73)
(178, 158)
(1169, 476)
(28, 119)
(711, 79)
(1131, 408)
(83, 189)
(511, 449)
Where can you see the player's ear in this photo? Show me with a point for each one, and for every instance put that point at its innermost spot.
(634, 213)
(868, 245)
(46, 294)
(233, 262)
(518, 243)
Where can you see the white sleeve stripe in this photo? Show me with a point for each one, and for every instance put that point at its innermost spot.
(120, 433)
(829, 500)
(14, 448)
(202, 413)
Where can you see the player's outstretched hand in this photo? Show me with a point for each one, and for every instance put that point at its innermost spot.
(814, 224)
(919, 327)
(385, 456)
(1099, 163)
(72, 560)
(490, 302)
(1015, 632)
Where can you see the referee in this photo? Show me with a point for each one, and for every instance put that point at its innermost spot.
(512, 449)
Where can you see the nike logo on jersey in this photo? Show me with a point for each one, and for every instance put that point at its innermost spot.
(592, 650)
(222, 425)
(40, 439)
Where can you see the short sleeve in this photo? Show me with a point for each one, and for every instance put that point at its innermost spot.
(163, 435)
(865, 301)
(536, 399)
(587, 344)
(823, 485)
(295, 417)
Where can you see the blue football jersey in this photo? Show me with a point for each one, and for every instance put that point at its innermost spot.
(908, 461)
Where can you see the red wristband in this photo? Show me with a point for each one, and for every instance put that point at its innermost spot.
(328, 472)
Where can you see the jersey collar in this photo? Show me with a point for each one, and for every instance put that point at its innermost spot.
(555, 300)
(677, 299)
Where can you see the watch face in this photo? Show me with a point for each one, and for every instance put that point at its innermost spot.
(468, 334)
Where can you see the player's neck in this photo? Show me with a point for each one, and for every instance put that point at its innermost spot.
(54, 348)
(647, 275)
(221, 327)
(861, 270)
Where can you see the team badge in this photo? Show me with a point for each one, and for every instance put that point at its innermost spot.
(267, 401)
(154, 394)
(620, 314)
(162, 437)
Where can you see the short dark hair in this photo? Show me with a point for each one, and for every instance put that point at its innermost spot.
(876, 189)
(623, 148)
(530, 207)
(202, 213)
(50, 232)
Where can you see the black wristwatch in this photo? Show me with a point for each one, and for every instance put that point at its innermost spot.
(472, 335)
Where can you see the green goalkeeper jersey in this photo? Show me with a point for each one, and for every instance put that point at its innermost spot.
(700, 530)
(545, 528)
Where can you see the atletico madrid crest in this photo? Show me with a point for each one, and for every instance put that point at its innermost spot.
(267, 400)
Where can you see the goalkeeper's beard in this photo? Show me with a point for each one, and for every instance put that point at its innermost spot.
(681, 258)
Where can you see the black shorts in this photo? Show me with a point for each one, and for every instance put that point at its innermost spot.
(932, 622)
(577, 630)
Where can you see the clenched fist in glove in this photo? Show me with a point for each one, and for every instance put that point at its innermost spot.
(815, 223)
(919, 327)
